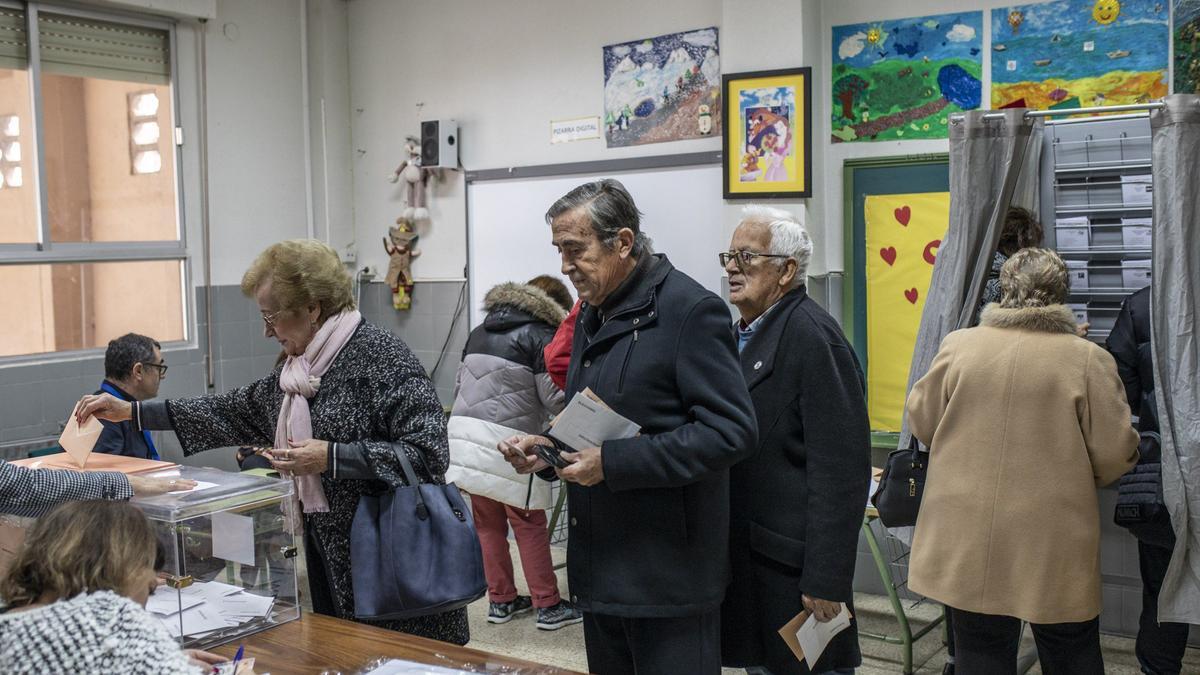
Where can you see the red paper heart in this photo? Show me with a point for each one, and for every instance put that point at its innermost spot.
(931, 249)
(888, 254)
(903, 214)
(911, 295)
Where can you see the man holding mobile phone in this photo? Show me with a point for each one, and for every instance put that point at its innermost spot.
(647, 550)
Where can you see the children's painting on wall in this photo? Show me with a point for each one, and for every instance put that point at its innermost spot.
(901, 79)
(769, 120)
(1079, 53)
(1187, 46)
(665, 88)
(767, 115)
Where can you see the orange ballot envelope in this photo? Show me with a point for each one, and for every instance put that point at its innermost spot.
(78, 441)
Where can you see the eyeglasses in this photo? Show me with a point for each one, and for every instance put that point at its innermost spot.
(744, 258)
(162, 368)
(269, 319)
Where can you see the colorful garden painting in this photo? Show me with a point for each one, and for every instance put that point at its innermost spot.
(901, 79)
(1187, 46)
(1079, 53)
(666, 88)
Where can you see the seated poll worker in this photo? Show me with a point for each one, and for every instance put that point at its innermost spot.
(796, 504)
(647, 556)
(74, 598)
(31, 492)
(133, 370)
(349, 397)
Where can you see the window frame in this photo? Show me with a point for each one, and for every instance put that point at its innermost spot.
(45, 251)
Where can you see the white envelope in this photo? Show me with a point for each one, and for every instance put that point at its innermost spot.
(78, 441)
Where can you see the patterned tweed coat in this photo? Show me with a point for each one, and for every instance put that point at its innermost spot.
(376, 392)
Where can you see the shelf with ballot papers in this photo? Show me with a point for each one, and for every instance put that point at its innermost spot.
(1103, 208)
(230, 556)
(1105, 253)
(1101, 167)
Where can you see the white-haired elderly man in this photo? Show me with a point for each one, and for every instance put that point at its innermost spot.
(797, 502)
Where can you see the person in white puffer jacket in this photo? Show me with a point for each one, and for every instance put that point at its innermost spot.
(503, 389)
(74, 598)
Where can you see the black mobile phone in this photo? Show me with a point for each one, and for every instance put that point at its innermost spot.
(551, 455)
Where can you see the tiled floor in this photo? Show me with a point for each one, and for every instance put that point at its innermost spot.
(520, 638)
(564, 647)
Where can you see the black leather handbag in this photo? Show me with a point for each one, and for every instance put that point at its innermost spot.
(900, 487)
(414, 551)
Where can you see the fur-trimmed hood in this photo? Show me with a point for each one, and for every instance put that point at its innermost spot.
(526, 298)
(1048, 319)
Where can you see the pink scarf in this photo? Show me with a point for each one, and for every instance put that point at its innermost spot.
(299, 380)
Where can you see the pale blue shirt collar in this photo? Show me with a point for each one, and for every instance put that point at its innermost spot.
(744, 332)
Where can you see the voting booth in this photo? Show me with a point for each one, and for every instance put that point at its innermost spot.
(231, 552)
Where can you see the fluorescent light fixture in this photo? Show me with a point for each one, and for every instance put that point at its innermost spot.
(2, 185)
(147, 161)
(12, 151)
(144, 104)
(12, 176)
(145, 133)
(10, 125)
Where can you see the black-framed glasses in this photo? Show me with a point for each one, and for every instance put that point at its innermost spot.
(269, 319)
(744, 258)
(162, 368)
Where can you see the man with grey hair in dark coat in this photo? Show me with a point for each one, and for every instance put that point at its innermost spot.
(797, 502)
(647, 550)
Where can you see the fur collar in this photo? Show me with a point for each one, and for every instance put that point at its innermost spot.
(1049, 319)
(526, 298)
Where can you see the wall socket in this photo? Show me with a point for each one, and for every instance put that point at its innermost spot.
(349, 255)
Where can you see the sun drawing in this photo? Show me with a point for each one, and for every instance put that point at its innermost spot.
(1106, 11)
(874, 35)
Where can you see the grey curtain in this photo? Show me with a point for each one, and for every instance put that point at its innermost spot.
(1174, 341)
(993, 164)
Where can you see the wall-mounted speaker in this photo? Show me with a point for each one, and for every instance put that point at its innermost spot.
(439, 144)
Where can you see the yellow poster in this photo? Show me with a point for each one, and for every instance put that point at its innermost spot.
(903, 233)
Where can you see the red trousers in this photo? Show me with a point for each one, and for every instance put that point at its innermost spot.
(492, 519)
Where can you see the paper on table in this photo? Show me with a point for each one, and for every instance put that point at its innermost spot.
(233, 537)
(808, 637)
(78, 441)
(166, 601)
(403, 667)
(246, 605)
(202, 618)
(587, 422)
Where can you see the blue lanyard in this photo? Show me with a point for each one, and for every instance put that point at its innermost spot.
(104, 386)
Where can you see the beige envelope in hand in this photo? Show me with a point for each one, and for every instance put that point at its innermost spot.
(78, 441)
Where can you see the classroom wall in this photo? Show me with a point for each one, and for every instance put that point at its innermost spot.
(470, 61)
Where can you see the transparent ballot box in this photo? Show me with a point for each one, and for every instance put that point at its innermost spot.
(230, 549)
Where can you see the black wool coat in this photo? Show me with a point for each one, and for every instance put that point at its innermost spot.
(651, 540)
(797, 503)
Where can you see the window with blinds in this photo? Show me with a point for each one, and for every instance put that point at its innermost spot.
(88, 181)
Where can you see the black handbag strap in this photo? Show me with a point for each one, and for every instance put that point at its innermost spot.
(411, 477)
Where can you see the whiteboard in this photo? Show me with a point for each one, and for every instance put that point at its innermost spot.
(508, 238)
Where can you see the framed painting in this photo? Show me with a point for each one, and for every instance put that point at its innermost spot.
(767, 134)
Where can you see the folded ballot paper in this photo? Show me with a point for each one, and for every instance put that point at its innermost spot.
(586, 422)
(78, 440)
(204, 608)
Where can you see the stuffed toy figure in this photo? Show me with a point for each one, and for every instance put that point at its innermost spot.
(400, 245)
(416, 180)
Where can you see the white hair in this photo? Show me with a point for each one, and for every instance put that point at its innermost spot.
(788, 236)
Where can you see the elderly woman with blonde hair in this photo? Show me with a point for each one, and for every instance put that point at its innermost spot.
(1024, 420)
(349, 396)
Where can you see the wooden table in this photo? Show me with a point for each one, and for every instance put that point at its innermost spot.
(315, 643)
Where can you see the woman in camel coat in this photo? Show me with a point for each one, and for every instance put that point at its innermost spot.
(1024, 420)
